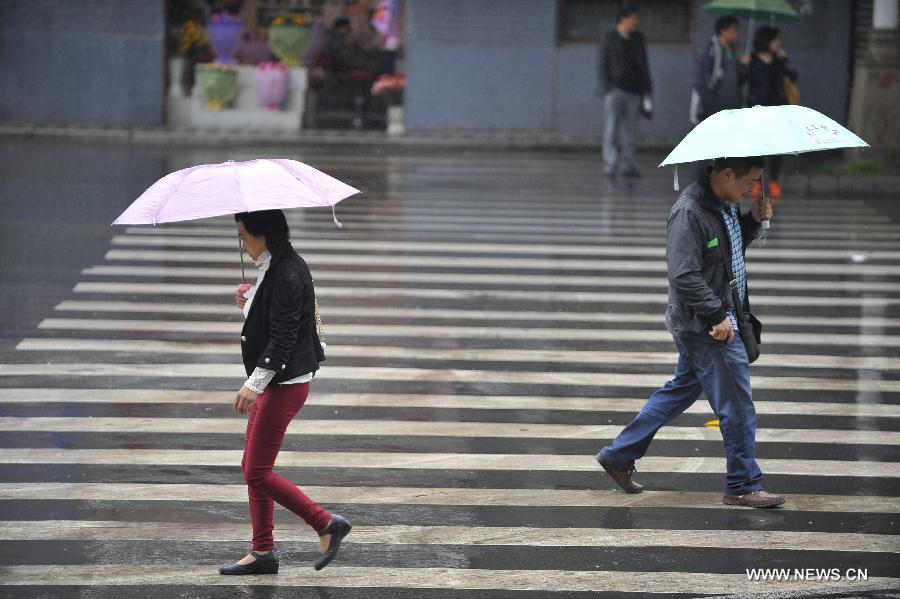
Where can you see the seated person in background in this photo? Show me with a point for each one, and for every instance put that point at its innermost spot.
(345, 54)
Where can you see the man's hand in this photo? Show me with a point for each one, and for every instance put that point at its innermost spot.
(744, 60)
(243, 401)
(723, 331)
(761, 209)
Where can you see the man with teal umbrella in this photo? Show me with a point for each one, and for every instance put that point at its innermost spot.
(709, 309)
(705, 244)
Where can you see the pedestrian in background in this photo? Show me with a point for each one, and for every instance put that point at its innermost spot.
(719, 75)
(625, 79)
(705, 244)
(768, 71)
(281, 351)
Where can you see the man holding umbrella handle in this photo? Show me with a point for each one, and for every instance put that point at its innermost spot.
(706, 240)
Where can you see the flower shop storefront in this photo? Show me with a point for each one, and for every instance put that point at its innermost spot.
(284, 65)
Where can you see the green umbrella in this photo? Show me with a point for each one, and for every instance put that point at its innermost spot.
(753, 9)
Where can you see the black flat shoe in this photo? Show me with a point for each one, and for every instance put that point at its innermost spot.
(266, 563)
(338, 529)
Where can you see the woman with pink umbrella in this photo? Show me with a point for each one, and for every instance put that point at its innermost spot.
(280, 343)
(281, 350)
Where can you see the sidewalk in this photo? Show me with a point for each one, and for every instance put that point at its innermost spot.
(436, 140)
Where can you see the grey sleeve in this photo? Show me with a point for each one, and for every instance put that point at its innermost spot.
(684, 261)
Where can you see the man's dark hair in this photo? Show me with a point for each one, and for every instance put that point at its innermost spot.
(725, 22)
(270, 224)
(340, 22)
(626, 11)
(741, 166)
(764, 37)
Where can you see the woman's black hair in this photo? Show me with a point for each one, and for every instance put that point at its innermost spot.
(270, 224)
(764, 37)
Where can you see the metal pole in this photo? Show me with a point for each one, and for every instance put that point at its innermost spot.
(241, 254)
(763, 201)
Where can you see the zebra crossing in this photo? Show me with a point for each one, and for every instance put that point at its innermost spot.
(491, 322)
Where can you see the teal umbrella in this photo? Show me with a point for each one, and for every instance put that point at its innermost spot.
(761, 131)
(753, 9)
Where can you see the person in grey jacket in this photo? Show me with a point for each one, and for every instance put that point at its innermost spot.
(705, 229)
(719, 74)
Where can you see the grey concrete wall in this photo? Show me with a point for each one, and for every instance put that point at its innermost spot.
(90, 61)
(479, 65)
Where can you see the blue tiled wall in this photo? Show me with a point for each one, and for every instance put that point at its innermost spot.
(85, 61)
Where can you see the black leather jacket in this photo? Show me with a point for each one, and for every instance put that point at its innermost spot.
(699, 290)
(280, 330)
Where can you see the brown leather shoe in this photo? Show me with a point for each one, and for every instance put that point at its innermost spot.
(759, 499)
(622, 478)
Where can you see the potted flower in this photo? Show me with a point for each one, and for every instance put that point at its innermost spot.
(224, 34)
(271, 84)
(218, 83)
(289, 37)
(195, 48)
(390, 88)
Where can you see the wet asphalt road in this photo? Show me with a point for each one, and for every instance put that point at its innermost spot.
(493, 319)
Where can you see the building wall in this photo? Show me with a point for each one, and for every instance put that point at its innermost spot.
(480, 65)
(497, 65)
(90, 61)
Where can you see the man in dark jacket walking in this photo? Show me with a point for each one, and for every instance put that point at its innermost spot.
(625, 77)
(705, 229)
(718, 73)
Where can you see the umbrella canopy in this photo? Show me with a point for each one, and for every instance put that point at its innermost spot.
(753, 9)
(762, 131)
(231, 187)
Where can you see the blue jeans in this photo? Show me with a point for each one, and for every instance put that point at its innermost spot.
(722, 372)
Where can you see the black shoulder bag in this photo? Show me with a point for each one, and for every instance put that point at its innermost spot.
(749, 327)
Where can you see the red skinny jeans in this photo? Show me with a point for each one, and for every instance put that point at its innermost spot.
(269, 418)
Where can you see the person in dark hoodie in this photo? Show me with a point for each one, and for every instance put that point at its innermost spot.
(625, 79)
(719, 74)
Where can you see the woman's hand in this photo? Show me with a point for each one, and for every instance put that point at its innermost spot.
(239, 298)
(243, 401)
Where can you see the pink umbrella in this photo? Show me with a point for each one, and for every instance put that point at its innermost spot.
(231, 187)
